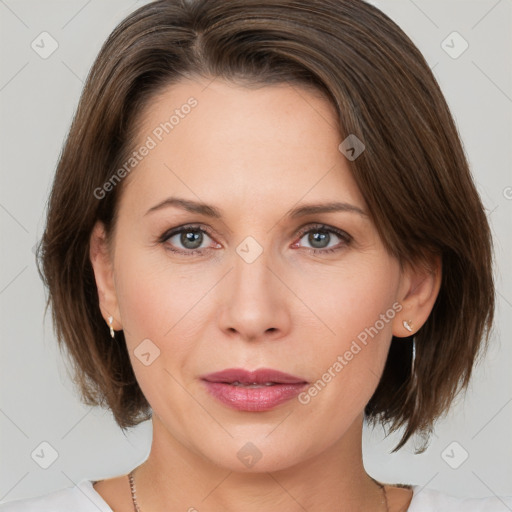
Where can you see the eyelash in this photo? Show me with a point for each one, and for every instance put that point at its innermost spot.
(345, 237)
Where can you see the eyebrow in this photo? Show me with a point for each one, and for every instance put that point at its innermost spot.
(214, 212)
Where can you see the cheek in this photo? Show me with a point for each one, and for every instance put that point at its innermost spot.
(152, 293)
(356, 306)
(163, 302)
(349, 298)
(159, 308)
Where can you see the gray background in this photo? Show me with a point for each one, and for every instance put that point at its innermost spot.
(37, 100)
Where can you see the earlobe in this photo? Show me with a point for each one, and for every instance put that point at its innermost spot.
(104, 276)
(418, 294)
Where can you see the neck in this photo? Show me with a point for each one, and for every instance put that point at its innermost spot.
(176, 477)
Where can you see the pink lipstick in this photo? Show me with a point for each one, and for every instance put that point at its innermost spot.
(259, 390)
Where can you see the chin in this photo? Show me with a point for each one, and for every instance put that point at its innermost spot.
(255, 454)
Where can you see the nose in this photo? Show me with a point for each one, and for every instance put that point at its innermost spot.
(255, 302)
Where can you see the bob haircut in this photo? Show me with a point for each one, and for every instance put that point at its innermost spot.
(413, 175)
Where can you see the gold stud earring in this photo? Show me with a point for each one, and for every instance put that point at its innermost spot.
(110, 320)
(407, 325)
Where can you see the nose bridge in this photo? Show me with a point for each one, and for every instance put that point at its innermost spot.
(254, 302)
(251, 274)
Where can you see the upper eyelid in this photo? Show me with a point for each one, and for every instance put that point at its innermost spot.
(321, 227)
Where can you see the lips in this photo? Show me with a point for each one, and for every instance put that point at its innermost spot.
(264, 376)
(256, 391)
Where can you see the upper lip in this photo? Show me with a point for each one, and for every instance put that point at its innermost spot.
(260, 376)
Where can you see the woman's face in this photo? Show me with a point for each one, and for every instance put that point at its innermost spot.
(311, 294)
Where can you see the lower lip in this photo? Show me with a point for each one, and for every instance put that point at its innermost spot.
(262, 398)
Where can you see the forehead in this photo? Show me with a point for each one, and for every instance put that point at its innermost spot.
(218, 140)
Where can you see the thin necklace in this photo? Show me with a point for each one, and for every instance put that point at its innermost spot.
(137, 508)
(132, 487)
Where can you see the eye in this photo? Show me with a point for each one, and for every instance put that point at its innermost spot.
(193, 239)
(187, 240)
(319, 237)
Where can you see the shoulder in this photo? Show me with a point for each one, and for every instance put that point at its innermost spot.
(80, 498)
(430, 500)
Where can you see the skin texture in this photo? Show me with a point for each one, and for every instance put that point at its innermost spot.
(255, 154)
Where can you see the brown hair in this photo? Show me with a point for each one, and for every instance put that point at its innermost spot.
(413, 175)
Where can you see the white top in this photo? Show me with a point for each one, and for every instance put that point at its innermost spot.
(84, 498)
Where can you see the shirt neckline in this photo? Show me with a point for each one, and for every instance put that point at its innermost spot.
(87, 486)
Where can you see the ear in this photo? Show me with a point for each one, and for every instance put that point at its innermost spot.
(418, 291)
(104, 275)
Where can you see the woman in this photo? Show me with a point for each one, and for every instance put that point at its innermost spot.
(263, 231)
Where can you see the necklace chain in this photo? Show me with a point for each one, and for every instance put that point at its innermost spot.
(137, 508)
(132, 488)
